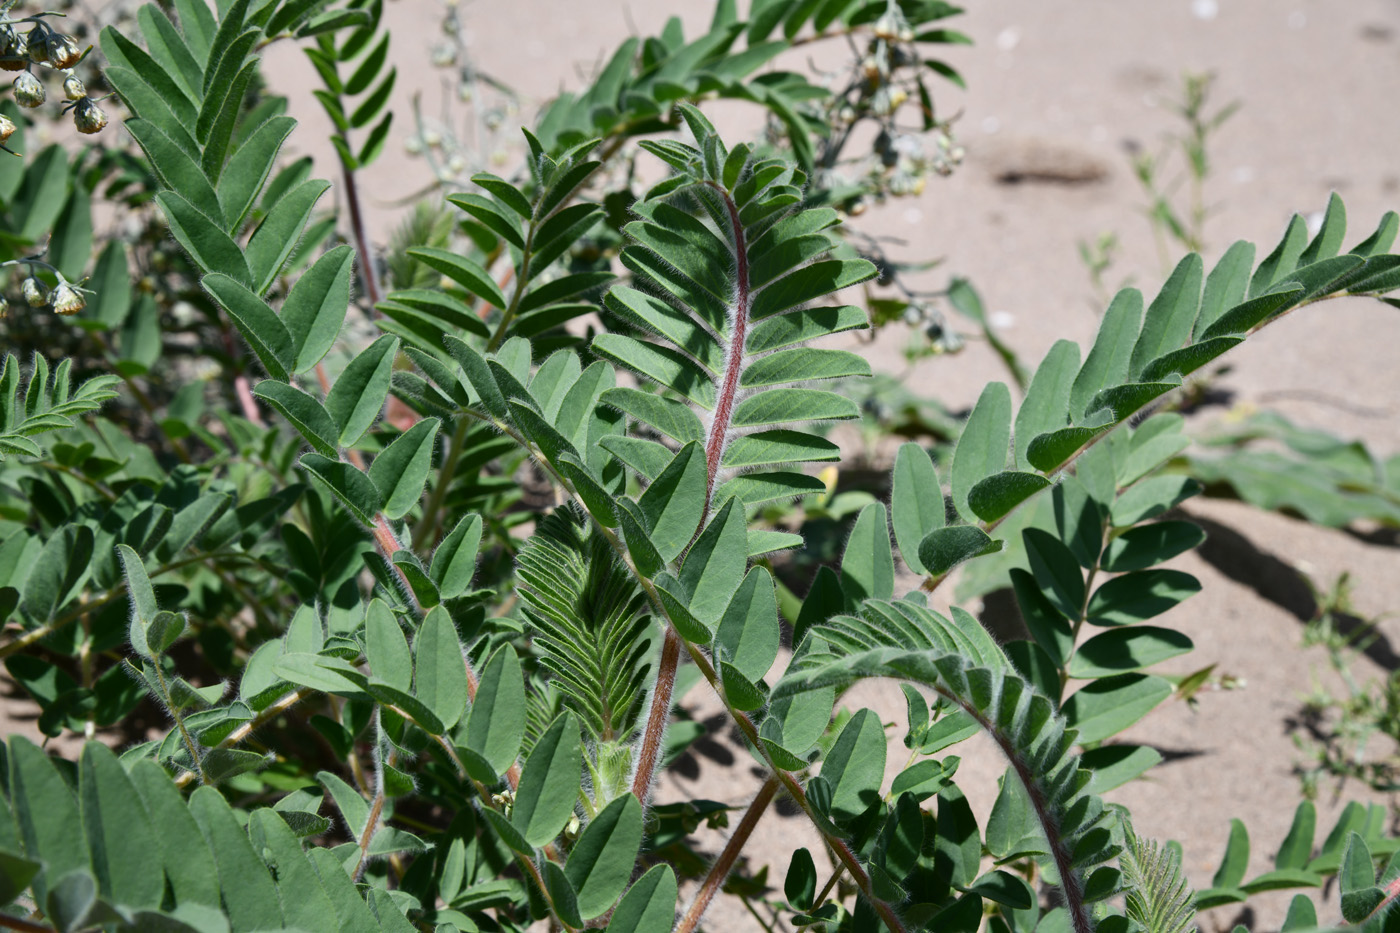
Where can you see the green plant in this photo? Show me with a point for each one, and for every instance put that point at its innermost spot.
(1338, 733)
(1184, 225)
(347, 612)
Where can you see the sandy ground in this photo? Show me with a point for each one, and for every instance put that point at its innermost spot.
(1066, 87)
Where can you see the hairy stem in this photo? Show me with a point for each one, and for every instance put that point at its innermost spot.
(19, 923)
(658, 715)
(727, 388)
(185, 736)
(723, 865)
(741, 719)
(34, 636)
(376, 807)
(1071, 885)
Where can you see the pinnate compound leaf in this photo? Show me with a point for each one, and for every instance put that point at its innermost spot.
(549, 782)
(601, 862)
(401, 470)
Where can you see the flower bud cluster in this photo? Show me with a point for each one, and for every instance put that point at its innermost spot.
(28, 44)
(65, 298)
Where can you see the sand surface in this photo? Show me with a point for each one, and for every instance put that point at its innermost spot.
(1057, 91)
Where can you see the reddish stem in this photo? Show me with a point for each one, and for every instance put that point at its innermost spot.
(728, 390)
(725, 863)
(734, 355)
(368, 273)
(660, 712)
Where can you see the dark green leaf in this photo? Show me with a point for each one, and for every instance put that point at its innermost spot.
(549, 782)
(649, 906)
(1140, 595)
(855, 766)
(263, 330)
(401, 470)
(945, 548)
(315, 307)
(1127, 649)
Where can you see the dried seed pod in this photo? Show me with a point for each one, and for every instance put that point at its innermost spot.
(7, 128)
(63, 51)
(35, 295)
(73, 88)
(28, 91)
(68, 300)
(88, 117)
